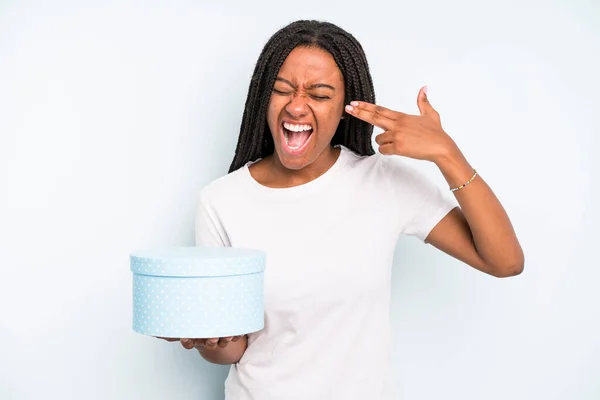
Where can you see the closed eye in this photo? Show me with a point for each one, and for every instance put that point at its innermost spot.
(281, 92)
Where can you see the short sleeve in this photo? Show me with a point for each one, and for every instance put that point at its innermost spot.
(422, 204)
(208, 231)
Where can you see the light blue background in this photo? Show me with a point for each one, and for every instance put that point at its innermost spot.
(114, 114)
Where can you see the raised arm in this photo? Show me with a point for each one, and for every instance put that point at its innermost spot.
(478, 232)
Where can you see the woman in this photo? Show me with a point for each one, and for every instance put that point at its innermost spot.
(306, 186)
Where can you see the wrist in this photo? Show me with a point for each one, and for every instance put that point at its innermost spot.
(454, 166)
(447, 154)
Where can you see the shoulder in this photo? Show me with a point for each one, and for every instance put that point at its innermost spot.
(405, 181)
(358, 162)
(383, 167)
(223, 187)
(399, 169)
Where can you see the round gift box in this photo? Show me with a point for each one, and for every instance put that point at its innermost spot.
(198, 292)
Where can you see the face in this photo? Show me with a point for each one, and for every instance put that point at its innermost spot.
(306, 106)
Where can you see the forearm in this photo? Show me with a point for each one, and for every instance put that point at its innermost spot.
(493, 234)
(230, 354)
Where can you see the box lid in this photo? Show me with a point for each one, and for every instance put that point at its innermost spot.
(197, 261)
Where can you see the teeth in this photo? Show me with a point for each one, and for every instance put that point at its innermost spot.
(296, 128)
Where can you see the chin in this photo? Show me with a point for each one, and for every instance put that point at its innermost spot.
(293, 162)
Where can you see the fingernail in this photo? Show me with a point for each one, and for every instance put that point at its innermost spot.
(354, 103)
(185, 341)
(425, 89)
(349, 108)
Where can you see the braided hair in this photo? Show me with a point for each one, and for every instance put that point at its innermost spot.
(255, 140)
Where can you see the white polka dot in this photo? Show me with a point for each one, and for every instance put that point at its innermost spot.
(209, 307)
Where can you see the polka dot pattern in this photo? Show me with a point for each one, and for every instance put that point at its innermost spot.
(197, 293)
(198, 307)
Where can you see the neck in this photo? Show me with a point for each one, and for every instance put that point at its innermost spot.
(312, 171)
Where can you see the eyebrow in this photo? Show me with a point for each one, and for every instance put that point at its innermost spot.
(313, 86)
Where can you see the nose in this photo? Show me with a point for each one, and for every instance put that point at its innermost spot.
(297, 106)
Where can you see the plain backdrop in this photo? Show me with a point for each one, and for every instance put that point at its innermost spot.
(113, 115)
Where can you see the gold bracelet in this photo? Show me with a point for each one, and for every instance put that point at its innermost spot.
(469, 181)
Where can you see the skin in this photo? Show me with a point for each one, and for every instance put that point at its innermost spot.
(222, 351)
(309, 89)
(478, 232)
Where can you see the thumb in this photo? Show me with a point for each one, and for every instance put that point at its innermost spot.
(423, 103)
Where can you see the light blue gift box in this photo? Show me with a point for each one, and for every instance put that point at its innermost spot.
(198, 292)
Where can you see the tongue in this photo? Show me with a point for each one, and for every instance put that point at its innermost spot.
(297, 139)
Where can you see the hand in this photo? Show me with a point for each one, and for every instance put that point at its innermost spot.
(415, 136)
(204, 344)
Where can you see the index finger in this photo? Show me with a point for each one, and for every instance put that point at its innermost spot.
(376, 115)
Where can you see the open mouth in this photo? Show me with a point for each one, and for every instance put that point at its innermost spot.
(296, 137)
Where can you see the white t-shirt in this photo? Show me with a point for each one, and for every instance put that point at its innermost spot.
(329, 244)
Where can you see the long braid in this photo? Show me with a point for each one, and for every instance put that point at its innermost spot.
(255, 140)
